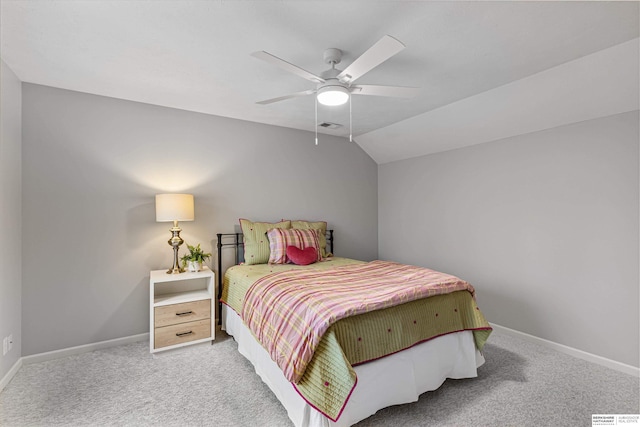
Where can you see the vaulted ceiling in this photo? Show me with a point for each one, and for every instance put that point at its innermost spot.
(474, 61)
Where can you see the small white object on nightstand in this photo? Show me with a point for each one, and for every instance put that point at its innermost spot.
(181, 309)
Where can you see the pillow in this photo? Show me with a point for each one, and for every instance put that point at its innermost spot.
(321, 226)
(304, 256)
(256, 244)
(279, 239)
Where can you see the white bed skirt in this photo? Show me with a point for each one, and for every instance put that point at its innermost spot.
(392, 380)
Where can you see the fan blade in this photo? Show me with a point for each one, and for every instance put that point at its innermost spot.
(287, 66)
(282, 98)
(394, 91)
(384, 49)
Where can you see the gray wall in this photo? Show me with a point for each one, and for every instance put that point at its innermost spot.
(10, 214)
(91, 168)
(544, 225)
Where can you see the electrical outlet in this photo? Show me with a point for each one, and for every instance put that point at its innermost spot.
(10, 342)
(5, 345)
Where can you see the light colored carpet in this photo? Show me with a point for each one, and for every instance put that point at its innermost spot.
(521, 384)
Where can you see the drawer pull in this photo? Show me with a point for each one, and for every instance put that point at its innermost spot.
(183, 334)
(184, 313)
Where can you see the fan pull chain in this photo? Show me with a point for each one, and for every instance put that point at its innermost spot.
(316, 119)
(350, 122)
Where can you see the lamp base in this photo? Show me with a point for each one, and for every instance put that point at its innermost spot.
(175, 241)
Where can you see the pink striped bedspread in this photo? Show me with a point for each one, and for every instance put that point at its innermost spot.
(290, 311)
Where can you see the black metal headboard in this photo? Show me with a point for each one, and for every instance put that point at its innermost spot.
(237, 242)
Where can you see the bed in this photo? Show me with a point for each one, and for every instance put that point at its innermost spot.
(367, 359)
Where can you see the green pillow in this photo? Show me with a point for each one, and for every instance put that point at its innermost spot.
(321, 226)
(256, 243)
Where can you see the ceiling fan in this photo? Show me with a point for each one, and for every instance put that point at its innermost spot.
(333, 86)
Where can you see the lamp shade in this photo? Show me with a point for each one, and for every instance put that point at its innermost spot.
(174, 207)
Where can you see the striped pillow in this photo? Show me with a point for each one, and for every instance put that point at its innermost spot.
(279, 239)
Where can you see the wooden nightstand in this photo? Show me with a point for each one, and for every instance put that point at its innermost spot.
(181, 309)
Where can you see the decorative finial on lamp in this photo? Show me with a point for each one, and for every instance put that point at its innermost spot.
(174, 207)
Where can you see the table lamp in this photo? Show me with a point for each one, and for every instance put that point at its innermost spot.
(174, 207)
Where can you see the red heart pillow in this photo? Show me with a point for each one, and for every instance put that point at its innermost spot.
(304, 256)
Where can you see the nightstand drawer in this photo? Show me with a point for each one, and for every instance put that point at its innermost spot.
(181, 313)
(184, 332)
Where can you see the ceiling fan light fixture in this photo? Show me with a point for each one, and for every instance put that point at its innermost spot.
(333, 95)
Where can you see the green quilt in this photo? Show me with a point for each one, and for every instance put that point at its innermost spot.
(329, 378)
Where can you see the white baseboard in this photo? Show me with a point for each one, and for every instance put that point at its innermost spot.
(603, 361)
(9, 376)
(57, 354)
